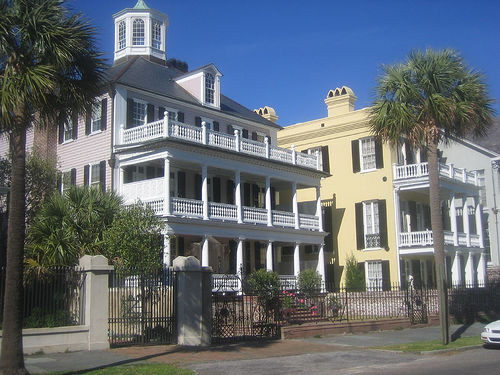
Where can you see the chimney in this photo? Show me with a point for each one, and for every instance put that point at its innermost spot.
(340, 101)
(268, 113)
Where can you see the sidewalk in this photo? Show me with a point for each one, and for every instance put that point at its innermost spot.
(77, 361)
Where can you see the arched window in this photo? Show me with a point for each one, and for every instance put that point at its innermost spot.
(138, 32)
(209, 88)
(156, 34)
(121, 35)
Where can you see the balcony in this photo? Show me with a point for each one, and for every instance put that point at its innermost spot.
(201, 135)
(424, 239)
(406, 173)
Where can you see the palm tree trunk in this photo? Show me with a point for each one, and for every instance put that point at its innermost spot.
(12, 360)
(438, 238)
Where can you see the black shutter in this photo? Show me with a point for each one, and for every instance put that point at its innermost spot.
(75, 127)
(254, 136)
(255, 195)
(61, 133)
(386, 275)
(246, 194)
(230, 129)
(161, 113)
(180, 244)
(180, 116)
(247, 258)
(216, 125)
(197, 187)
(86, 175)
(197, 121)
(360, 228)
(88, 122)
(379, 157)
(181, 184)
(256, 249)
(232, 256)
(382, 223)
(130, 113)
(244, 133)
(60, 177)
(409, 154)
(326, 159)
(230, 192)
(102, 175)
(73, 176)
(412, 205)
(273, 198)
(216, 189)
(355, 156)
(327, 212)
(104, 114)
(150, 112)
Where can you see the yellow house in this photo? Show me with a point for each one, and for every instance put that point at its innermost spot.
(376, 201)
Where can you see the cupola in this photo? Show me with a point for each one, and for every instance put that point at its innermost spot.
(268, 113)
(140, 31)
(340, 101)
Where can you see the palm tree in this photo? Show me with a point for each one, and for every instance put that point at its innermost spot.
(49, 71)
(430, 98)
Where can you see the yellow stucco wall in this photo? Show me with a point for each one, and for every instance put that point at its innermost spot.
(345, 186)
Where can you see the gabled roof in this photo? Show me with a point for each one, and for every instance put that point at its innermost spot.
(200, 69)
(491, 140)
(149, 76)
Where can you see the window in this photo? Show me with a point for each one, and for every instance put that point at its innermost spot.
(69, 130)
(67, 180)
(138, 32)
(371, 225)
(121, 35)
(367, 152)
(374, 278)
(156, 34)
(95, 174)
(209, 88)
(96, 117)
(138, 114)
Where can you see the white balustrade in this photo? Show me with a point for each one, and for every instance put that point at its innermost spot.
(307, 160)
(402, 172)
(253, 147)
(187, 207)
(281, 154)
(254, 215)
(449, 237)
(421, 238)
(222, 211)
(143, 190)
(156, 205)
(309, 222)
(221, 140)
(475, 240)
(462, 239)
(143, 133)
(288, 282)
(186, 132)
(225, 283)
(283, 219)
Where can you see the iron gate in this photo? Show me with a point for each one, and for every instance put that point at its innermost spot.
(141, 307)
(417, 300)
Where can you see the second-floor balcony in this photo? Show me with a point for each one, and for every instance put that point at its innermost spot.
(425, 239)
(203, 136)
(409, 172)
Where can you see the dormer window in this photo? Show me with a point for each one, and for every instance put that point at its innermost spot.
(121, 35)
(209, 88)
(138, 32)
(156, 34)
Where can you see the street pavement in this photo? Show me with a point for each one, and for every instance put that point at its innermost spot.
(346, 354)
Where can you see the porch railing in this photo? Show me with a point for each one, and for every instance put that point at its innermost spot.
(424, 238)
(254, 215)
(403, 172)
(201, 135)
(187, 207)
(283, 219)
(222, 211)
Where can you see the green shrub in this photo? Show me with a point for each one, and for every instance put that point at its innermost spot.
(309, 283)
(265, 285)
(354, 275)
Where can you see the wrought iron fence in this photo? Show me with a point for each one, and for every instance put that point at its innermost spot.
(141, 307)
(53, 297)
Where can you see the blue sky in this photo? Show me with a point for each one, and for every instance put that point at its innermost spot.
(288, 54)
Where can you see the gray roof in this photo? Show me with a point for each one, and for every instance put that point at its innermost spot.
(152, 77)
(491, 140)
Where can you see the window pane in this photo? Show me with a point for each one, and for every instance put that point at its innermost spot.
(156, 34)
(139, 114)
(209, 88)
(95, 174)
(121, 35)
(68, 130)
(368, 154)
(96, 117)
(138, 33)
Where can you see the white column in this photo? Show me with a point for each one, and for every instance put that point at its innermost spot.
(320, 267)
(469, 270)
(269, 256)
(239, 257)
(453, 219)
(204, 252)
(456, 270)
(237, 140)
(204, 132)
(481, 270)
(268, 202)
(295, 205)
(397, 216)
(319, 212)
(204, 191)
(237, 196)
(465, 217)
(479, 223)
(166, 183)
(266, 141)
(296, 259)
(166, 250)
(122, 179)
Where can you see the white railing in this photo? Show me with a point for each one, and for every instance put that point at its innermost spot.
(449, 237)
(187, 207)
(254, 215)
(253, 148)
(475, 240)
(144, 189)
(402, 172)
(288, 282)
(222, 211)
(143, 133)
(283, 219)
(202, 135)
(423, 238)
(309, 222)
(156, 205)
(462, 239)
(225, 283)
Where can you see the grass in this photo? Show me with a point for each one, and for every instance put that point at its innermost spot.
(143, 369)
(427, 346)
